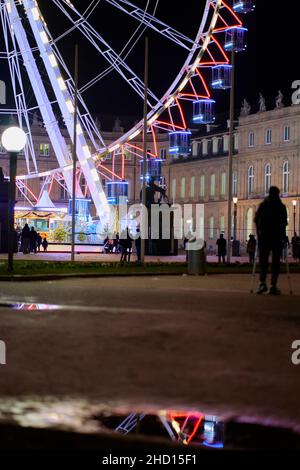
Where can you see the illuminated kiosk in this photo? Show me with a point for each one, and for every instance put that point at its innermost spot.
(44, 216)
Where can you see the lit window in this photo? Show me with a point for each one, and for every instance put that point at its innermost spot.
(250, 180)
(192, 193)
(222, 224)
(268, 177)
(205, 147)
(268, 136)
(211, 227)
(174, 189)
(286, 177)
(251, 139)
(223, 184)
(163, 154)
(236, 141)
(202, 186)
(44, 150)
(215, 145)
(213, 185)
(234, 183)
(226, 143)
(287, 133)
(182, 188)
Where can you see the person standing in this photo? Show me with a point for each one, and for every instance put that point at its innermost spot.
(25, 239)
(45, 244)
(39, 241)
(295, 246)
(251, 248)
(222, 248)
(138, 243)
(271, 222)
(33, 240)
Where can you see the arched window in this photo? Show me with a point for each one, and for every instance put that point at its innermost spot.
(192, 187)
(286, 177)
(268, 177)
(234, 183)
(212, 185)
(250, 180)
(249, 223)
(223, 184)
(182, 188)
(202, 186)
(211, 227)
(174, 189)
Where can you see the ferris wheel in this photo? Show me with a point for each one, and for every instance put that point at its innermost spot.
(32, 51)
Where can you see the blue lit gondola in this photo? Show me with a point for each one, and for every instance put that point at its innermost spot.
(204, 111)
(115, 190)
(235, 39)
(243, 6)
(221, 77)
(82, 208)
(180, 143)
(153, 170)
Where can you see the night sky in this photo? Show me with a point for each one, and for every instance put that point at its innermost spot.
(270, 62)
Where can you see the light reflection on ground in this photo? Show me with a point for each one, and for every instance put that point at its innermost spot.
(29, 306)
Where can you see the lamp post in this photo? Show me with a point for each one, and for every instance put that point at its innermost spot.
(294, 202)
(235, 201)
(13, 140)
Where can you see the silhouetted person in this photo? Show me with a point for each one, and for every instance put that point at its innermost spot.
(251, 248)
(151, 189)
(296, 246)
(123, 244)
(33, 240)
(271, 222)
(39, 241)
(45, 244)
(26, 239)
(222, 248)
(138, 243)
(1, 175)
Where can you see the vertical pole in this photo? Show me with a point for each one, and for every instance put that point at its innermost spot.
(231, 152)
(294, 220)
(234, 222)
(11, 209)
(144, 218)
(74, 154)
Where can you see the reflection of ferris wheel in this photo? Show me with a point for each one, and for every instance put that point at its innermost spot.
(30, 45)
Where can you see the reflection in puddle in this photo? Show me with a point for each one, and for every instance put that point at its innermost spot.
(29, 306)
(84, 417)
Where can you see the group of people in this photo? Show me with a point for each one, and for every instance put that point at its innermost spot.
(124, 245)
(31, 240)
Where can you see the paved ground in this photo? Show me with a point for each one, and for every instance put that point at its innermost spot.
(202, 343)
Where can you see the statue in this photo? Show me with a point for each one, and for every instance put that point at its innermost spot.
(117, 125)
(246, 108)
(279, 100)
(262, 104)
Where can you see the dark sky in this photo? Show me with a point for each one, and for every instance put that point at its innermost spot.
(270, 62)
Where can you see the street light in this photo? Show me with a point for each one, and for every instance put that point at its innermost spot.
(294, 202)
(13, 140)
(235, 201)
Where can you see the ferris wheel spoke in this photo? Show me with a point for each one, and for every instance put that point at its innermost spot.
(152, 22)
(106, 51)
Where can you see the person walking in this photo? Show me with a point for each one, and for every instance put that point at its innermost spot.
(33, 240)
(39, 241)
(25, 236)
(271, 222)
(222, 248)
(251, 248)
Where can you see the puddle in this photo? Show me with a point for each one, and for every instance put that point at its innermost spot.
(29, 306)
(169, 426)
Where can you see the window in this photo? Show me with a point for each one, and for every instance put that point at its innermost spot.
(202, 186)
(236, 141)
(268, 177)
(192, 193)
(211, 227)
(222, 224)
(174, 189)
(195, 149)
(223, 184)
(249, 222)
(225, 143)
(251, 139)
(163, 154)
(215, 145)
(286, 133)
(250, 180)
(213, 185)
(268, 139)
(234, 183)
(182, 188)
(44, 150)
(205, 147)
(127, 154)
(286, 177)
(64, 194)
